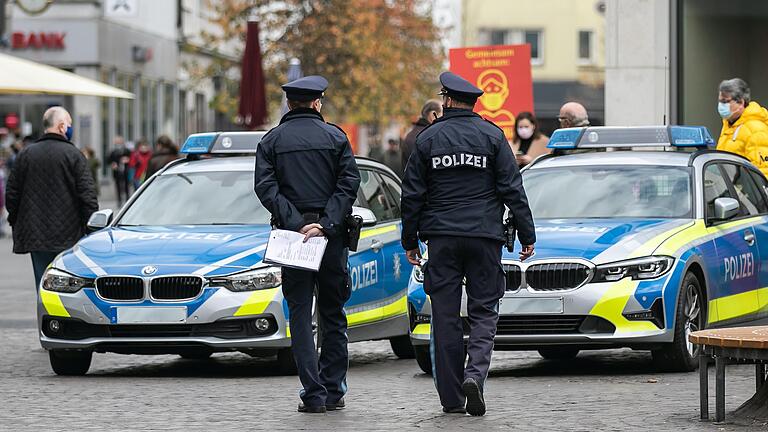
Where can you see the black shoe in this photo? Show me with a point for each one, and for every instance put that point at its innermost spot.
(340, 405)
(454, 410)
(474, 395)
(311, 409)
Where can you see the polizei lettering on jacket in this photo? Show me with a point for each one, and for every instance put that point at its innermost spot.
(460, 159)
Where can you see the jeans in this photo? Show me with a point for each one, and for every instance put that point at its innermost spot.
(40, 262)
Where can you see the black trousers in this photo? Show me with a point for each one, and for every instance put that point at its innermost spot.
(324, 379)
(450, 260)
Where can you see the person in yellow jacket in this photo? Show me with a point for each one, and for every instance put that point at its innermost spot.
(745, 124)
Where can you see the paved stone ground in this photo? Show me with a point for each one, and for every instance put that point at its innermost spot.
(613, 390)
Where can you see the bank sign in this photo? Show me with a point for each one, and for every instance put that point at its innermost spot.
(503, 73)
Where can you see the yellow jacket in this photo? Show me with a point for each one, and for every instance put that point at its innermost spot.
(748, 136)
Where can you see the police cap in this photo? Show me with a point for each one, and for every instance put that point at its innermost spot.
(458, 88)
(305, 89)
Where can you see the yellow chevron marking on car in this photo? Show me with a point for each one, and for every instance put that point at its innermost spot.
(421, 329)
(688, 235)
(257, 302)
(52, 303)
(377, 231)
(287, 329)
(612, 303)
(736, 305)
(649, 246)
(398, 307)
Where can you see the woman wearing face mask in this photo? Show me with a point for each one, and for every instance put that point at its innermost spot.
(528, 143)
(745, 123)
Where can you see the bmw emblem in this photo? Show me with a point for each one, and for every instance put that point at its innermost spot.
(149, 270)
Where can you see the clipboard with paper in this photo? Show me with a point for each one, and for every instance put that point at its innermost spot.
(288, 249)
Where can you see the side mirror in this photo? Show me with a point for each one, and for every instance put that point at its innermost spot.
(99, 220)
(369, 219)
(725, 208)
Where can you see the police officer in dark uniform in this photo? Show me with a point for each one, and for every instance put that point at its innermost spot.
(457, 182)
(307, 177)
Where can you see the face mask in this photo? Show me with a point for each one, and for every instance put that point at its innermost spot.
(69, 132)
(724, 109)
(525, 132)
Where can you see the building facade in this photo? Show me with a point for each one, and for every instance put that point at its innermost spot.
(567, 47)
(667, 57)
(141, 46)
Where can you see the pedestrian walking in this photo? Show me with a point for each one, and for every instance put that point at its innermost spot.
(119, 159)
(2, 197)
(431, 110)
(745, 123)
(165, 152)
(528, 142)
(139, 163)
(456, 184)
(50, 194)
(93, 166)
(393, 158)
(573, 114)
(306, 176)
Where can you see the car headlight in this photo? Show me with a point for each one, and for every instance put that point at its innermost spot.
(649, 267)
(60, 281)
(251, 280)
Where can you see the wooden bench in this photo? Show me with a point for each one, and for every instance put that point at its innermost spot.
(737, 345)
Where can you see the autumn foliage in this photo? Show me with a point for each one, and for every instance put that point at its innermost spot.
(381, 57)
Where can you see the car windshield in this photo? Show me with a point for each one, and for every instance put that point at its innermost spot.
(199, 198)
(609, 192)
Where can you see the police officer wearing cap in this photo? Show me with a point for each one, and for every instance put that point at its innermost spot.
(455, 187)
(306, 176)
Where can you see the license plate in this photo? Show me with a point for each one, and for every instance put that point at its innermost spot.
(523, 306)
(151, 315)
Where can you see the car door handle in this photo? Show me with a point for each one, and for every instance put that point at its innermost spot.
(749, 238)
(376, 245)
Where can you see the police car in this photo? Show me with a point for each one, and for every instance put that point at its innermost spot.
(635, 248)
(179, 269)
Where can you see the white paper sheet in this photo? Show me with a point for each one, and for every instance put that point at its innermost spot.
(287, 249)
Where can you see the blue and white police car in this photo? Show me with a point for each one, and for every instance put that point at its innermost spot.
(179, 269)
(634, 248)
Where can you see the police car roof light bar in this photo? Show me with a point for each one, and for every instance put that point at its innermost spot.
(603, 137)
(199, 143)
(220, 143)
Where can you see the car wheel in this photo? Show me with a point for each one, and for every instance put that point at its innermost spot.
(681, 355)
(423, 358)
(558, 353)
(402, 347)
(70, 363)
(196, 355)
(286, 364)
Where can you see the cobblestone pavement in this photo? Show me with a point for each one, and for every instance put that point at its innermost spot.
(599, 391)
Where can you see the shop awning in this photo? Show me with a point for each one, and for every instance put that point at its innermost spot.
(20, 76)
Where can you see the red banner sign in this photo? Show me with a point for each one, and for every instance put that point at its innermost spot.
(503, 72)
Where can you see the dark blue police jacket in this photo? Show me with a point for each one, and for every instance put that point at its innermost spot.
(306, 165)
(458, 180)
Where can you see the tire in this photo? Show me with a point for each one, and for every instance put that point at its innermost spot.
(197, 355)
(402, 347)
(558, 353)
(286, 364)
(423, 358)
(70, 363)
(681, 355)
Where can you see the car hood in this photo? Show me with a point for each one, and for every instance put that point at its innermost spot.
(600, 240)
(203, 250)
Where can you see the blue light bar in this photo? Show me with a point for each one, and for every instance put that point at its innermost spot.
(690, 136)
(199, 143)
(565, 138)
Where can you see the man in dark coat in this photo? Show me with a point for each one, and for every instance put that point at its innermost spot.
(307, 177)
(50, 194)
(431, 110)
(457, 182)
